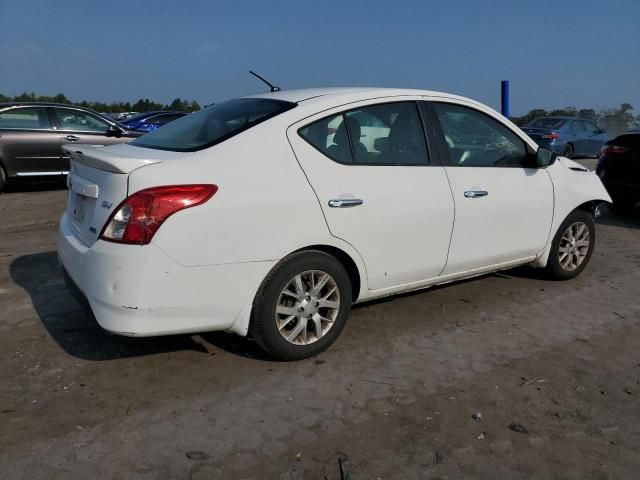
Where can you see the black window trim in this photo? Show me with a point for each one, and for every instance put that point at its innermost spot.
(416, 103)
(224, 138)
(22, 107)
(444, 148)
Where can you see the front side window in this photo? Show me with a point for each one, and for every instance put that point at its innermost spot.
(592, 128)
(25, 118)
(477, 140)
(385, 134)
(212, 125)
(78, 121)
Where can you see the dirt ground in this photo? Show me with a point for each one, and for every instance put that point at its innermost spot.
(504, 376)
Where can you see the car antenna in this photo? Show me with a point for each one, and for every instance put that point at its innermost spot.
(271, 85)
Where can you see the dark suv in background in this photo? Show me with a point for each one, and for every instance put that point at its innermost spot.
(32, 136)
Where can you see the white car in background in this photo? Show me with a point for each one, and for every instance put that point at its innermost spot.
(271, 215)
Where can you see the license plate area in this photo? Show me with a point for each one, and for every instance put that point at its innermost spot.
(79, 208)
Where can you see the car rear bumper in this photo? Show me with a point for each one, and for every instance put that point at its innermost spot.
(141, 291)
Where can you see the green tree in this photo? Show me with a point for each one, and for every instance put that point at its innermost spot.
(532, 114)
(617, 121)
(589, 114)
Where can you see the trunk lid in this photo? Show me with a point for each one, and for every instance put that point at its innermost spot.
(98, 183)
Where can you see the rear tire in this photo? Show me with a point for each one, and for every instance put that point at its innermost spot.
(301, 306)
(572, 246)
(568, 151)
(3, 178)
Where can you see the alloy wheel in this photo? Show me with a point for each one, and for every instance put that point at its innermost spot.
(307, 307)
(574, 246)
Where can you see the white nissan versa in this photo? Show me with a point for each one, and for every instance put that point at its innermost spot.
(271, 215)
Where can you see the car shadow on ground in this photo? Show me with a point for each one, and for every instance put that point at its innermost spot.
(74, 328)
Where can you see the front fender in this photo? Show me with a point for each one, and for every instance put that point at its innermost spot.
(573, 186)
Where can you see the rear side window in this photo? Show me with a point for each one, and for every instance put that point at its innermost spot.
(385, 134)
(477, 140)
(25, 118)
(212, 125)
(330, 136)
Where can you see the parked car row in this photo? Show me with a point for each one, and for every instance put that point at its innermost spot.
(271, 215)
(567, 136)
(32, 135)
(619, 169)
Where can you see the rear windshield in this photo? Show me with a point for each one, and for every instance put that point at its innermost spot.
(212, 125)
(547, 123)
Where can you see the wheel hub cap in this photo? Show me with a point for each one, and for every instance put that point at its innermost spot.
(307, 307)
(574, 246)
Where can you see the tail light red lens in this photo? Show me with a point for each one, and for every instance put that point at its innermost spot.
(138, 218)
(614, 149)
(552, 135)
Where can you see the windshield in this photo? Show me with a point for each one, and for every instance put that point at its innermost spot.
(212, 125)
(547, 122)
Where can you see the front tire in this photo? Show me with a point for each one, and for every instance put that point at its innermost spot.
(572, 246)
(301, 306)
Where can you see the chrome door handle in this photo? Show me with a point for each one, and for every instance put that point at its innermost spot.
(72, 138)
(345, 203)
(475, 193)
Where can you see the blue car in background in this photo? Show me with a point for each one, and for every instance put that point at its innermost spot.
(147, 122)
(568, 136)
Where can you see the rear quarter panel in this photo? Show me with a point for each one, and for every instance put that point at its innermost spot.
(264, 208)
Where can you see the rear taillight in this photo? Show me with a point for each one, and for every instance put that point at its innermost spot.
(552, 136)
(137, 219)
(614, 149)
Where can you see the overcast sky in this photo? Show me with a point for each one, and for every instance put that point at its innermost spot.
(584, 53)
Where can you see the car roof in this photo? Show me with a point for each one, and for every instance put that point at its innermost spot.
(306, 94)
(45, 104)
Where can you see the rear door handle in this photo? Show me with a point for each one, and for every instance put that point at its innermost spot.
(72, 138)
(475, 193)
(345, 202)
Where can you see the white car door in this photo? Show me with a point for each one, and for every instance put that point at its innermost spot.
(503, 202)
(383, 196)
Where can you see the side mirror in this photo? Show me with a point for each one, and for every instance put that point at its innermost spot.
(113, 131)
(545, 157)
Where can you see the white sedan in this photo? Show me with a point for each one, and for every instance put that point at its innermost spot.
(271, 215)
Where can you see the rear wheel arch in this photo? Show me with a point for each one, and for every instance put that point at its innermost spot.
(347, 262)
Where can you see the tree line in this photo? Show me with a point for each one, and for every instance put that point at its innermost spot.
(142, 105)
(613, 120)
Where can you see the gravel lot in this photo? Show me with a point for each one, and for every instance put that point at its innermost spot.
(553, 369)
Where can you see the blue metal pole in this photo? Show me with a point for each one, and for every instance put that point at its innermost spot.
(504, 97)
